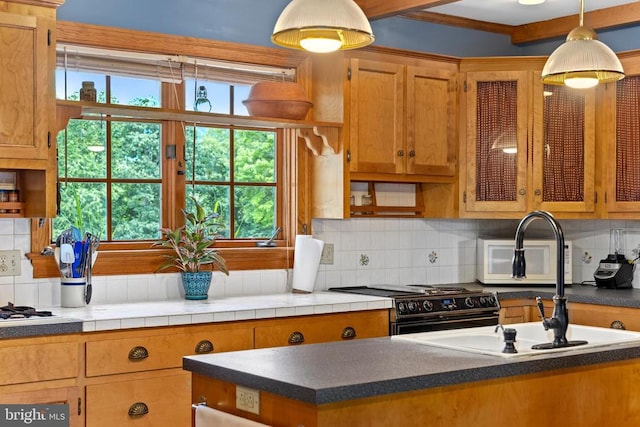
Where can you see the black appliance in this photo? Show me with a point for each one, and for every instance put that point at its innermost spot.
(13, 312)
(614, 272)
(424, 308)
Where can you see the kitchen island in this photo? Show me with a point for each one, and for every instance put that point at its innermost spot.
(389, 382)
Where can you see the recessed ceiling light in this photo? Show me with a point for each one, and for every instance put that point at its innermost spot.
(530, 2)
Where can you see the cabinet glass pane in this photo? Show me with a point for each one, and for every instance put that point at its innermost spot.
(496, 139)
(563, 161)
(628, 139)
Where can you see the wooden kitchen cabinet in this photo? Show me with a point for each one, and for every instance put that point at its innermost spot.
(620, 138)
(27, 102)
(605, 316)
(401, 119)
(322, 328)
(136, 378)
(43, 370)
(526, 146)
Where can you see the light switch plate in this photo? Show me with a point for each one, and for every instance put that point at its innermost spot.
(327, 254)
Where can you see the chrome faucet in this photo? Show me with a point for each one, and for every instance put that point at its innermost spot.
(559, 321)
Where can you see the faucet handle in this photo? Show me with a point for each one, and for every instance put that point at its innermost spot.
(541, 310)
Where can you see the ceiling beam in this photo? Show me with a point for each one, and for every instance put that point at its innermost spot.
(456, 21)
(627, 14)
(376, 9)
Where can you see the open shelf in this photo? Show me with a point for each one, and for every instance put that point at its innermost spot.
(386, 210)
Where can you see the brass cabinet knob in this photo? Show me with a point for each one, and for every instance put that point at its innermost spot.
(537, 192)
(522, 192)
(617, 324)
(412, 153)
(138, 353)
(400, 153)
(296, 337)
(204, 346)
(138, 409)
(348, 333)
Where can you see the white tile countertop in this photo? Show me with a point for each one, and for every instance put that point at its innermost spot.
(183, 312)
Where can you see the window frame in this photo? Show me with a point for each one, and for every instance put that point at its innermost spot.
(138, 257)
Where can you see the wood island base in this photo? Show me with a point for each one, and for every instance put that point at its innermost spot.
(595, 395)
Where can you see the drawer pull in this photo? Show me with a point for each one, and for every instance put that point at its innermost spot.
(296, 338)
(204, 346)
(348, 333)
(617, 324)
(138, 409)
(138, 353)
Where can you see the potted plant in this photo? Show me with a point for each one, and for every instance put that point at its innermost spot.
(191, 247)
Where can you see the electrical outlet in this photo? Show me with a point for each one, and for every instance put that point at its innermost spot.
(327, 254)
(248, 399)
(10, 263)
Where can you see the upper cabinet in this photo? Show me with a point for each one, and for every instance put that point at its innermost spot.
(24, 83)
(401, 121)
(526, 146)
(27, 104)
(621, 146)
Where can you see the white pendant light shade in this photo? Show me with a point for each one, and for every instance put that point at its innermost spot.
(322, 26)
(582, 61)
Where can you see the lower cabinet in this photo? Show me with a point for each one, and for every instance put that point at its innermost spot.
(605, 316)
(135, 377)
(321, 328)
(158, 399)
(43, 370)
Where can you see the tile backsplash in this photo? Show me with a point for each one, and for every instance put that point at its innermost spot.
(426, 251)
(366, 251)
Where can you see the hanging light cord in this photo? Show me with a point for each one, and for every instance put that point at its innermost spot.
(582, 13)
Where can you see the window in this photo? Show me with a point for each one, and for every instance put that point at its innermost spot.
(115, 172)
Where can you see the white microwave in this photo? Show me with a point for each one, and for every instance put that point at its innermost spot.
(494, 257)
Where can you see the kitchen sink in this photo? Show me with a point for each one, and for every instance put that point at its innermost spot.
(486, 340)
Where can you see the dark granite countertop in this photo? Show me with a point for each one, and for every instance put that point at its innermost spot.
(575, 293)
(340, 371)
(39, 326)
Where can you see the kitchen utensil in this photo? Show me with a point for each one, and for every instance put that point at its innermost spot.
(66, 254)
(89, 259)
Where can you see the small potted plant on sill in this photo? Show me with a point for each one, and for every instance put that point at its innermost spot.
(191, 247)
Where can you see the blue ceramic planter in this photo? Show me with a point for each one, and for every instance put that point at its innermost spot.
(196, 285)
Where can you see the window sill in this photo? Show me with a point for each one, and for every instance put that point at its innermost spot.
(122, 262)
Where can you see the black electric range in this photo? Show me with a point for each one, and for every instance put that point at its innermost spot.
(422, 308)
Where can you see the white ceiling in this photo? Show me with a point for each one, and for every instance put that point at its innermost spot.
(510, 12)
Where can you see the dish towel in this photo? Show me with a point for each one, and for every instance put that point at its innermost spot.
(209, 417)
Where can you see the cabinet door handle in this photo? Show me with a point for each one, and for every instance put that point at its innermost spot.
(618, 324)
(400, 153)
(138, 353)
(412, 153)
(522, 192)
(138, 409)
(296, 337)
(204, 346)
(537, 192)
(348, 333)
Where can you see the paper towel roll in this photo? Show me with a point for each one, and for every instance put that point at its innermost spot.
(209, 417)
(306, 262)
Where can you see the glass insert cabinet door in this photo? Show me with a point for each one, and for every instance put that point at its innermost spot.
(564, 149)
(624, 173)
(497, 144)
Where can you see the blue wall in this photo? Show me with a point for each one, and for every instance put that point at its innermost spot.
(252, 21)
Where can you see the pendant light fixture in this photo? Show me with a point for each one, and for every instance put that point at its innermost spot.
(582, 61)
(322, 26)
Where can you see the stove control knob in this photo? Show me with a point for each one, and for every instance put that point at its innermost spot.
(402, 307)
(413, 306)
(468, 301)
(488, 301)
(427, 305)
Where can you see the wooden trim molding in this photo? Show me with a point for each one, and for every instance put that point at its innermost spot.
(121, 262)
(456, 21)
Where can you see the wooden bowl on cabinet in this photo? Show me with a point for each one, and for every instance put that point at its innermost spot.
(283, 100)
